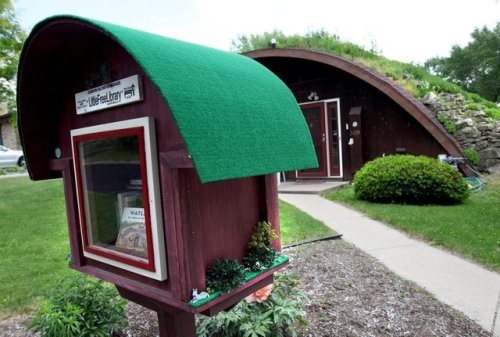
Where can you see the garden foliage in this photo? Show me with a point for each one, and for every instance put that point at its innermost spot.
(475, 67)
(224, 275)
(80, 306)
(473, 156)
(12, 38)
(277, 316)
(414, 78)
(261, 254)
(410, 179)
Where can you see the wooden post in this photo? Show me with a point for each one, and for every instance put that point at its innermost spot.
(172, 322)
(181, 324)
(272, 204)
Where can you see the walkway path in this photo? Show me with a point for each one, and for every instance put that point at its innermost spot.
(461, 284)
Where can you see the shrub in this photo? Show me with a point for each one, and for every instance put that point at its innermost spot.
(261, 254)
(277, 316)
(409, 179)
(224, 275)
(472, 155)
(80, 306)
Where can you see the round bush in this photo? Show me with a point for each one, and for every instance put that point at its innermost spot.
(410, 179)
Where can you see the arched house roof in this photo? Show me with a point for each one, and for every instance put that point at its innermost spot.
(228, 108)
(400, 96)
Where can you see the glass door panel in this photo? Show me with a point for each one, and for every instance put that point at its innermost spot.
(334, 139)
(115, 168)
(315, 119)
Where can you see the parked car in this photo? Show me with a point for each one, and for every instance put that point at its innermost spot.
(10, 157)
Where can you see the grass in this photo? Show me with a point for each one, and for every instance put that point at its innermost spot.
(471, 229)
(34, 244)
(414, 78)
(297, 226)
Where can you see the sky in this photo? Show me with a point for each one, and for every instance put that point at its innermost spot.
(408, 31)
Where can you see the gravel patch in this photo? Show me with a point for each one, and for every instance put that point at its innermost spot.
(351, 295)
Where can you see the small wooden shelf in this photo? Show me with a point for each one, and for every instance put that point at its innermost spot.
(217, 301)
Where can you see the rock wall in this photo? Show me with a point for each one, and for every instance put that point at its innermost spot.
(470, 126)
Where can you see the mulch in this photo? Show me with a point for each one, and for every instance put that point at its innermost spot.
(351, 295)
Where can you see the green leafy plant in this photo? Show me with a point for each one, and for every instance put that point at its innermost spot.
(473, 106)
(473, 156)
(448, 123)
(277, 316)
(409, 179)
(261, 254)
(80, 306)
(224, 275)
(493, 112)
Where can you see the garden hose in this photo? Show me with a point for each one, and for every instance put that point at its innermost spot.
(475, 183)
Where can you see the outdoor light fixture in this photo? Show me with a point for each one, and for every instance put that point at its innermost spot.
(313, 96)
(273, 43)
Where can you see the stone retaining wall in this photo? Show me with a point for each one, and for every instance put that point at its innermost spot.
(472, 128)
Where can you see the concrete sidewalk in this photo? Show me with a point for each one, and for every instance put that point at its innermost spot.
(461, 284)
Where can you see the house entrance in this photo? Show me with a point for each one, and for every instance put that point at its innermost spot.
(323, 120)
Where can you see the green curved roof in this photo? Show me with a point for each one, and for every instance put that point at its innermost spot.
(236, 117)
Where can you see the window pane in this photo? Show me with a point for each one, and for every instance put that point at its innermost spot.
(313, 120)
(335, 157)
(114, 200)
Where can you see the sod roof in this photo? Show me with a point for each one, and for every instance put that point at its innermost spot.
(236, 117)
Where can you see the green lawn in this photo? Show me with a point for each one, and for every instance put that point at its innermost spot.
(297, 226)
(471, 229)
(34, 243)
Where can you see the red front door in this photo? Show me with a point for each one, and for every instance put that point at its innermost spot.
(314, 114)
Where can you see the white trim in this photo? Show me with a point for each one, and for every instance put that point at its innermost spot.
(328, 132)
(327, 137)
(339, 128)
(147, 123)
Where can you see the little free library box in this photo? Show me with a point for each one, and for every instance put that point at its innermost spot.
(168, 152)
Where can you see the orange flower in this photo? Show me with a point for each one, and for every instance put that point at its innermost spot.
(260, 295)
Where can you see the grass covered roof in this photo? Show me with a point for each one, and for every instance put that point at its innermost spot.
(236, 117)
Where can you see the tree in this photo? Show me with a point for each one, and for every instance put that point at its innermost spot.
(475, 67)
(11, 40)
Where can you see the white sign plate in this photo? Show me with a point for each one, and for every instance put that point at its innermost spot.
(133, 215)
(124, 91)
